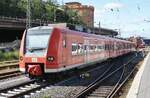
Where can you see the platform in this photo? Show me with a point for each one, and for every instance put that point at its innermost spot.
(141, 84)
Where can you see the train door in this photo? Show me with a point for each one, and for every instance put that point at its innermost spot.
(64, 48)
(115, 49)
(102, 51)
(86, 51)
(109, 48)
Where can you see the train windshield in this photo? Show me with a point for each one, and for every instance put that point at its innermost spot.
(37, 41)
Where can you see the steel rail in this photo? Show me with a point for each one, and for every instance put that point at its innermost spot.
(41, 86)
(108, 89)
(92, 85)
(28, 91)
(9, 69)
(9, 65)
(11, 61)
(16, 86)
(10, 74)
(113, 93)
(100, 79)
(117, 85)
(34, 89)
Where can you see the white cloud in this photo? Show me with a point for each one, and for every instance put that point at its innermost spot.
(113, 5)
(107, 7)
(99, 12)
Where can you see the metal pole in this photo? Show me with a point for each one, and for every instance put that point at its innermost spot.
(55, 7)
(28, 14)
(54, 14)
(41, 7)
(99, 24)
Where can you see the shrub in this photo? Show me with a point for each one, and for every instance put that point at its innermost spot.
(11, 55)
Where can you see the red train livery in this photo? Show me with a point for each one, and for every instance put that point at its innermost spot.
(48, 49)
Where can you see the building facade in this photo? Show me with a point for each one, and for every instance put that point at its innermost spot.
(85, 12)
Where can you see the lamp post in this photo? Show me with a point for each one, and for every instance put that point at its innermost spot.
(99, 26)
(55, 2)
(54, 14)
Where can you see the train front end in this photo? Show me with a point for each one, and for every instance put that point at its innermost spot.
(33, 50)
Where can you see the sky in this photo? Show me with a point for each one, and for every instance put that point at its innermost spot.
(129, 17)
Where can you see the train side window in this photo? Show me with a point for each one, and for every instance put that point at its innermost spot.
(95, 49)
(74, 49)
(106, 47)
(112, 47)
(85, 46)
(80, 48)
(100, 48)
(90, 48)
(64, 43)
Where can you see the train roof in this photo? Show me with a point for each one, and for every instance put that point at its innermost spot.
(79, 32)
(41, 27)
(95, 30)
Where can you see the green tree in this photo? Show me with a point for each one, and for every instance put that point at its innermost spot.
(9, 8)
(74, 18)
(44, 10)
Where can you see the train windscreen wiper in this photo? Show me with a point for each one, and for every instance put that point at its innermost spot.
(36, 49)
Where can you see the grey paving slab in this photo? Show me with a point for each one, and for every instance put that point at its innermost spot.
(144, 87)
(137, 89)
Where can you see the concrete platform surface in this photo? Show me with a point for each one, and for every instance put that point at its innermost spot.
(141, 84)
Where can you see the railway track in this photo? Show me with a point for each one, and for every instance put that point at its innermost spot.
(9, 64)
(9, 69)
(101, 92)
(97, 90)
(9, 74)
(55, 91)
(72, 86)
(11, 61)
(15, 91)
(28, 88)
(22, 89)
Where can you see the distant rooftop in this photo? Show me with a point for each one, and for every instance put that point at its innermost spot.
(73, 3)
(106, 31)
(101, 31)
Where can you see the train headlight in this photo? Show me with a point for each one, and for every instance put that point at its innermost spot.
(21, 58)
(50, 58)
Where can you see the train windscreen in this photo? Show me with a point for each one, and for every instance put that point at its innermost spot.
(37, 41)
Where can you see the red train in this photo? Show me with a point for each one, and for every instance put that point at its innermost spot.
(48, 49)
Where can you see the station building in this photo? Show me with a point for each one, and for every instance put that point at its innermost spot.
(84, 11)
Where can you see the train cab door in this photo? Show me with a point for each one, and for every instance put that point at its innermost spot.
(64, 48)
(86, 51)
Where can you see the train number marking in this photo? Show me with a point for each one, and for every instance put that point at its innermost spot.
(34, 59)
